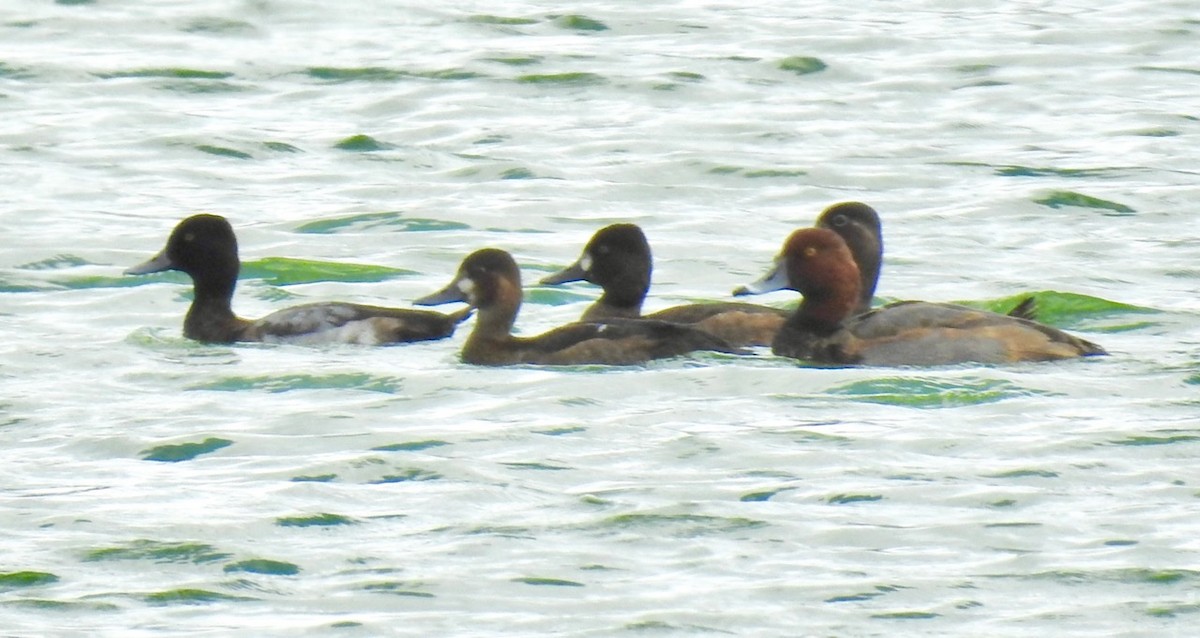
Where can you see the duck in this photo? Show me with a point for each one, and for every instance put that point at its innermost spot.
(859, 226)
(817, 263)
(489, 281)
(205, 248)
(617, 258)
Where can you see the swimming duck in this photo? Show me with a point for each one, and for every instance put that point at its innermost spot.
(490, 282)
(859, 226)
(817, 263)
(617, 258)
(204, 247)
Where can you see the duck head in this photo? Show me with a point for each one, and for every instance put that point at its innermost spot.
(203, 246)
(817, 263)
(859, 226)
(617, 258)
(488, 280)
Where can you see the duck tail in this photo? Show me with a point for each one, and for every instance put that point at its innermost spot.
(1027, 309)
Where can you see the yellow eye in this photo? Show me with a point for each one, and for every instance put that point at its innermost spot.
(811, 251)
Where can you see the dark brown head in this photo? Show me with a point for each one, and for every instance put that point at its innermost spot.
(617, 259)
(859, 226)
(204, 247)
(489, 280)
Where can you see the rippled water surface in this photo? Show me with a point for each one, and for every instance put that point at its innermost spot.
(151, 485)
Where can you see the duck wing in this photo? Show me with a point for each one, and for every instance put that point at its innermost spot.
(925, 333)
(739, 324)
(619, 342)
(337, 322)
(696, 312)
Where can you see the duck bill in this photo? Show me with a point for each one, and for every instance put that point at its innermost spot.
(574, 272)
(775, 279)
(157, 263)
(449, 294)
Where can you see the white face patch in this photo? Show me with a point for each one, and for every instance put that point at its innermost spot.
(585, 262)
(466, 286)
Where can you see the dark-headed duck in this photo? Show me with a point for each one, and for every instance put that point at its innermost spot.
(204, 247)
(859, 226)
(817, 263)
(617, 258)
(490, 282)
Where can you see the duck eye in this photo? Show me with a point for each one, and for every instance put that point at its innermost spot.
(840, 220)
(189, 237)
(810, 251)
(603, 249)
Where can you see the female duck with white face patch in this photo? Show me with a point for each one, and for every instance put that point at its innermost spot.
(490, 281)
(204, 247)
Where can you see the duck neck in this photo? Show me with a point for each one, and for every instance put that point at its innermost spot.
(497, 313)
(625, 300)
(602, 309)
(816, 330)
(869, 267)
(211, 316)
(215, 292)
(491, 323)
(493, 330)
(822, 312)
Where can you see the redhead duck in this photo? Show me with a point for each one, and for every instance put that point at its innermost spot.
(204, 247)
(490, 282)
(617, 258)
(817, 263)
(859, 226)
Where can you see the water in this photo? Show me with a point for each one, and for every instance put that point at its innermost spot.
(152, 485)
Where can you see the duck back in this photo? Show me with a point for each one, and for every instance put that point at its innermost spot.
(615, 342)
(337, 322)
(924, 333)
(740, 324)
